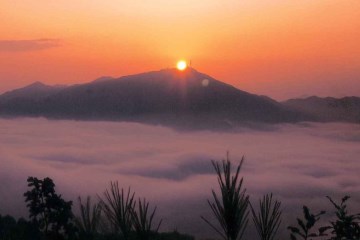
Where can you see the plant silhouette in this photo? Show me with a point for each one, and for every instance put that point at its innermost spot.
(231, 207)
(49, 211)
(304, 229)
(346, 226)
(143, 220)
(18, 230)
(89, 220)
(268, 220)
(118, 209)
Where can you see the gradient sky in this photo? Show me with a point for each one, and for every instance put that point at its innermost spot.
(280, 48)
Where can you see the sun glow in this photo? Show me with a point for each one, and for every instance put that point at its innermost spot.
(181, 65)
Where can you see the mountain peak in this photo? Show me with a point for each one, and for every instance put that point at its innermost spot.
(36, 84)
(188, 70)
(42, 86)
(103, 78)
(167, 76)
(32, 91)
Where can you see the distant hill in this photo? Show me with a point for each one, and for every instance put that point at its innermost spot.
(103, 79)
(328, 109)
(32, 91)
(25, 101)
(169, 97)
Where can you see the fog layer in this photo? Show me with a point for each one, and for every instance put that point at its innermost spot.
(300, 164)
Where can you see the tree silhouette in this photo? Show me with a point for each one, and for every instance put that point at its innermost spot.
(48, 211)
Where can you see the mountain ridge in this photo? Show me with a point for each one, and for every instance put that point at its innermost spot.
(328, 109)
(170, 97)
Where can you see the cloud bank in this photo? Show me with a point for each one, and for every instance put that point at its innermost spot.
(28, 45)
(300, 164)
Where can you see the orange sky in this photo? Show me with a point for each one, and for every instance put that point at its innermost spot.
(280, 48)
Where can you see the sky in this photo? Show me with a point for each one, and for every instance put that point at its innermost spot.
(279, 48)
(299, 163)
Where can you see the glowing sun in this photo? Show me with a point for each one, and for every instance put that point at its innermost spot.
(181, 65)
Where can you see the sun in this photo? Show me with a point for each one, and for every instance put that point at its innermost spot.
(181, 65)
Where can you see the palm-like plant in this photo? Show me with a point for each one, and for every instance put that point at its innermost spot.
(143, 220)
(89, 220)
(118, 207)
(267, 221)
(231, 208)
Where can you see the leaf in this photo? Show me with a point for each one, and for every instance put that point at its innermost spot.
(294, 229)
(292, 237)
(322, 230)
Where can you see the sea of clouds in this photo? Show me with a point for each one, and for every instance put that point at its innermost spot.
(299, 163)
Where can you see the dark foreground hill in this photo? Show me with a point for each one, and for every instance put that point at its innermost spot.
(168, 97)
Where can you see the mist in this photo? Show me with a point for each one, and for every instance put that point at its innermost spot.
(299, 163)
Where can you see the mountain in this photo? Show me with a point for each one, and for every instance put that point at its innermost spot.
(328, 109)
(23, 101)
(103, 79)
(170, 97)
(32, 91)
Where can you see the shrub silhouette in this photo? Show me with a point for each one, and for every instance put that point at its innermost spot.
(48, 211)
(346, 226)
(304, 229)
(268, 220)
(89, 220)
(118, 209)
(7, 227)
(17, 230)
(231, 208)
(175, 235)
(143, 221)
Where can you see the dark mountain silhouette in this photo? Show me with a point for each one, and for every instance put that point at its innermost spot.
(171, 97)
(25, 101)
(103, 79)
(32, 91)
(328, 109)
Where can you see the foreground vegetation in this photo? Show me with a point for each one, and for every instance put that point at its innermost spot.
(118, 214)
